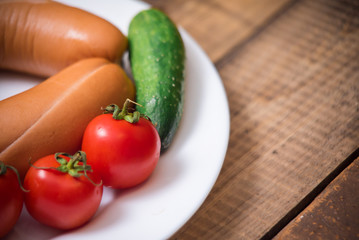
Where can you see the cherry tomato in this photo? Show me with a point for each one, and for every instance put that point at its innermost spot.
(60, 194)
(124, 154)
(11, 198)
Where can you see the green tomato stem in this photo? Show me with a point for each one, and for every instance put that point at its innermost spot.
(3, 170)
(72, 166)
(124, 114)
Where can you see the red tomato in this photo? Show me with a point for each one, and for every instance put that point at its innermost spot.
(58, 199)
(11, 199)
(123, 153)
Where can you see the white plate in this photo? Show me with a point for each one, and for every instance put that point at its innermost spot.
(185, 173)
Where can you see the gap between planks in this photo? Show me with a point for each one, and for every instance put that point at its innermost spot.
(307, 200)
(238, 47)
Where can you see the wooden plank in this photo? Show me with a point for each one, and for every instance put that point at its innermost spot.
(333, 214)
(219, 25)
(294, 99)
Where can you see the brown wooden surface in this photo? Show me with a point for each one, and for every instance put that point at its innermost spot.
(334, 214)
(291, 72)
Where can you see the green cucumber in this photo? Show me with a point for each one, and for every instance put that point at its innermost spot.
(157, 58)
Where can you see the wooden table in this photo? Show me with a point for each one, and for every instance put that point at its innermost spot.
(291, 72)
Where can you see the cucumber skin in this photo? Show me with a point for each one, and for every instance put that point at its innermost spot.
(157, 57)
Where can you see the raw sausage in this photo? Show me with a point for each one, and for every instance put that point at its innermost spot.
(52, 116)
(43, 37)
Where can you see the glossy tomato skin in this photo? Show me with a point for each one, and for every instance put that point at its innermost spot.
(124, 154)
(59, 200)
(11, 201)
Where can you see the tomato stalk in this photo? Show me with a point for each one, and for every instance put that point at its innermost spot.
(124, 114)
(3, 170)
(76, 166)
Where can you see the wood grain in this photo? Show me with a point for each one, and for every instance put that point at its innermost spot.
(219, 25)
(333, 214)
(292, 81)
